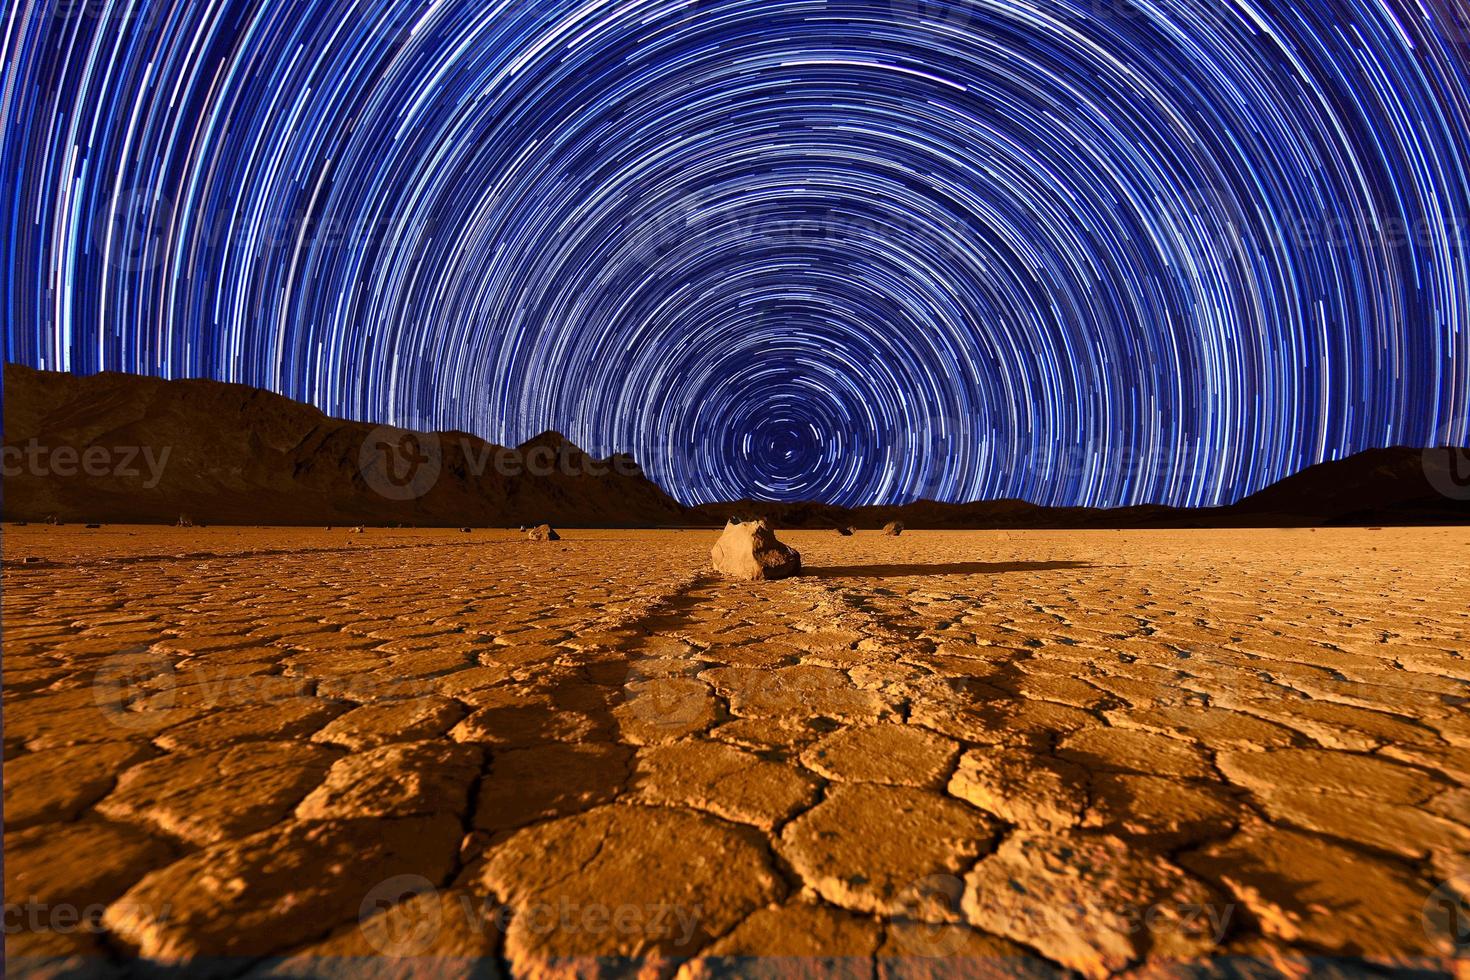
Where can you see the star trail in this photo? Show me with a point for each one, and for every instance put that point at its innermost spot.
(1101, 252)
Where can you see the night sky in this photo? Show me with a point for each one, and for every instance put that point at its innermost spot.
(1102, 253)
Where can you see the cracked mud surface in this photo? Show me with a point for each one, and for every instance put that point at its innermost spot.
(294, 752)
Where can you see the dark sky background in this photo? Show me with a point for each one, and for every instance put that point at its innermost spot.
(1079, 253)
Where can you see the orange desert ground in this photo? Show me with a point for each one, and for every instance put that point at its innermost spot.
(293, 752)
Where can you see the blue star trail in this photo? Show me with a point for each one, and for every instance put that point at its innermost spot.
(1095, 253)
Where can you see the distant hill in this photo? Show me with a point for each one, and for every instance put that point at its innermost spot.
(232, 454)
(120, 448)
(1396, 485)
(1390, 486)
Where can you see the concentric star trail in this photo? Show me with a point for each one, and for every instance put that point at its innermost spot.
(1101, 252)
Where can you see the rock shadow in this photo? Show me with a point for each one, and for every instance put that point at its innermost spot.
(946, 568)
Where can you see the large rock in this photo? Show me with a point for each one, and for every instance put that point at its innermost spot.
(893, 528)
(543, 532)
(749, 550)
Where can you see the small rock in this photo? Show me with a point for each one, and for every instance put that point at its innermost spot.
(184, 521)
(846, 532)
(464, 530)
(93, 527)
(543, 532)
(749, 550)
(31, 560)
(893, 528)
(356, 530)
(473, 844)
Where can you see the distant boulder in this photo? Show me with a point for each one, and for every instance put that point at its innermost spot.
(893, 528)
(749, 550)
(846, 532)
(542, 532)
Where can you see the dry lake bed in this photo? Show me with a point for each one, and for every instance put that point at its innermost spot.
(308, 752)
